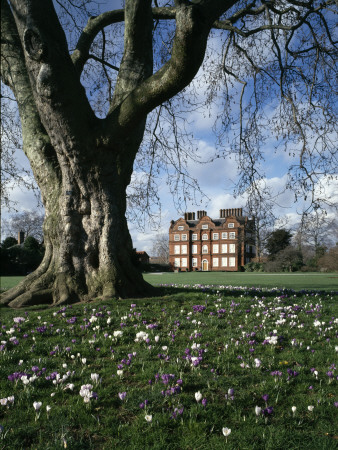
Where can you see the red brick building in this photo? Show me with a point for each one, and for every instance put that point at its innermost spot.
(223, 244)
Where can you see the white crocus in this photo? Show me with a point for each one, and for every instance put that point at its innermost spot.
(226, 431)
(37, 405)
(198, 396)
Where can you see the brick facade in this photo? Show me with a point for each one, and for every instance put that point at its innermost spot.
(205, 244)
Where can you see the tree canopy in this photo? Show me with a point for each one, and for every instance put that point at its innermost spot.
(86, 79)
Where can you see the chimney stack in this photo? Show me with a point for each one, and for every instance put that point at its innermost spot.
(201, 214)
(21, 237)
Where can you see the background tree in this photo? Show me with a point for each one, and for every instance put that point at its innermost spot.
(329, 261)
(260, 206)
(20, 259)
(8, 242)
(30, 222)
(82, 145)
(290, 259)
(161, 248)
(316, 233)
(277, 241)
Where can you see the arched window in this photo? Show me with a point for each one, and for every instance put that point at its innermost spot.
(204, 249)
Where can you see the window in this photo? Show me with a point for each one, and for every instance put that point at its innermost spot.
(224, 262)
(184, 262)
(177, 249)
(215, 248)
(215, 262)
(194, 237)
(180, 228)
(177, 262)
(184, 237)
(204, 249)
(204, 237)
(232, 235)
(215, 236)
(232, 262)
(224, 248)
(194, 262)
(184, 249)
(176, 237)
(232, 248)
(205, 226)
(224, 235)
(231, 225)
(194, 249)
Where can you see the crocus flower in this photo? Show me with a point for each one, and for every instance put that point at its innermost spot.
(293, 408)
(122, 395)
(37, 405)
(198, 396)
(95, 377)
(226, 431)
(310, 408)
(258, 410)
(148, 418)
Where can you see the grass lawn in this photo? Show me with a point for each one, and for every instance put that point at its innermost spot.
(177, 372)
(9, 282)
(296, 281)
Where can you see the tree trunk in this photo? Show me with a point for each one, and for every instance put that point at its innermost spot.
(89, 251)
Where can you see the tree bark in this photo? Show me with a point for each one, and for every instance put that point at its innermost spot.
(89, 252)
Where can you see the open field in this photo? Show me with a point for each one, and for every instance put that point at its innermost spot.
(296, 281)
(172, 372)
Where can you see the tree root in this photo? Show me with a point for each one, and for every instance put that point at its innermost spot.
(32, 298)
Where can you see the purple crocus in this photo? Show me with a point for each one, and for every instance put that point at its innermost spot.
(122, 395)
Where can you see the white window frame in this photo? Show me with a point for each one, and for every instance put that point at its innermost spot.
(194, 262)
(231, 225)
(215, 248)
(177, 262)
(214, 262)
(194, 237)
(184, 249)
(232, 262)
(225, 261)
(176, 237)
(184, 237)
(194, 249)
(232, 235)
(205, 249)
(215, 236)
(225, 235)
(177, 249)
(184, 262)
(232, 248)
(181, 228)
(205, 226)
(224, 248)
(205, 237)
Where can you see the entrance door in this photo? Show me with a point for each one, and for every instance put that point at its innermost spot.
(204, 265)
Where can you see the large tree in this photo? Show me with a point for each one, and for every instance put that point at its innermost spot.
(83, 161)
